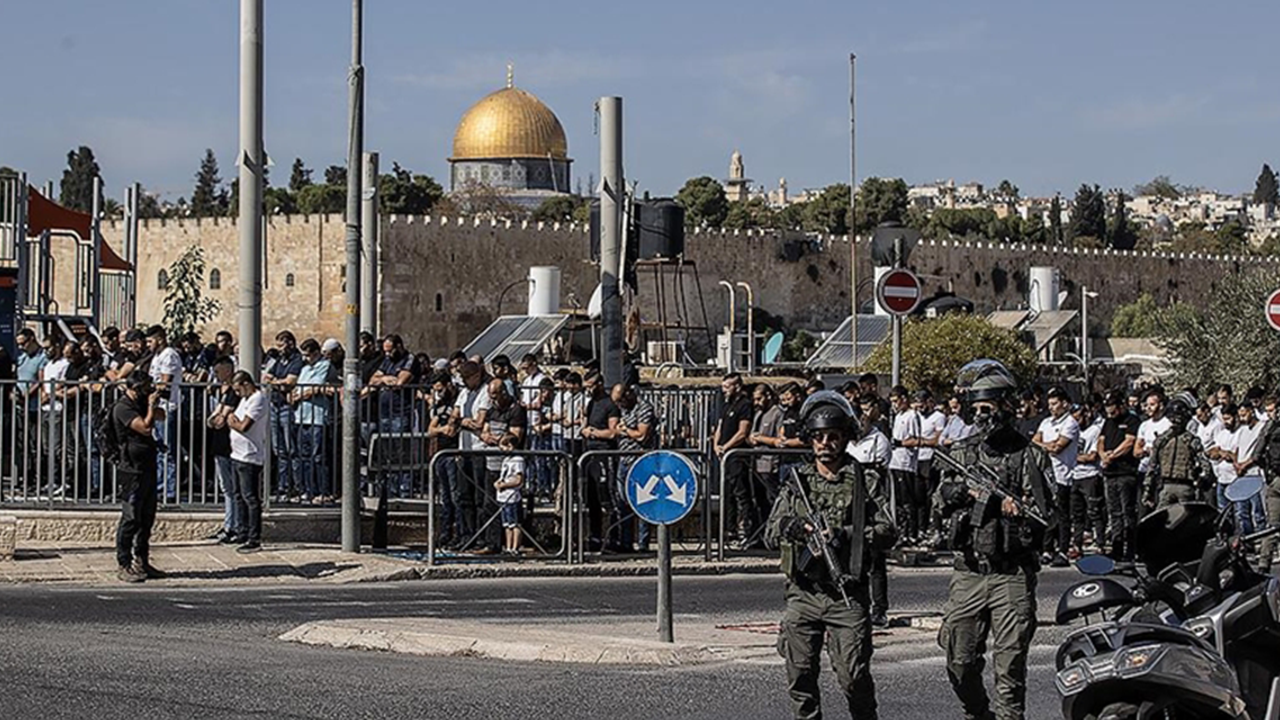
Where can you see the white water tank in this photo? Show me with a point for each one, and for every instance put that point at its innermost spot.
(1042, 294)
(544, 290)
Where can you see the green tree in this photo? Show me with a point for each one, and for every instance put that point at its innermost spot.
(403, 193)
(77, 180)
(1123, 235)
(1230, 239)
(934, 350)
(208, 198)
(185, 308)
(1160, 186)
(557, 209)
(790, 217)
(880, 201)
(798, 347)
(276, 201)
(323, 199)
(1225, 341)
(1033, 230)
(961, 222)
(1089, 214)
(149, 205)
(1136, 319)
(749, 214)
(1055, 220)
(704, 202)
(1007, 192)
(299, 176)
(335, 175)
(1266, 191)
(829, 212)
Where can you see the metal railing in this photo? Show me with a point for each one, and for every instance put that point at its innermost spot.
(540, 496)
(759, 487)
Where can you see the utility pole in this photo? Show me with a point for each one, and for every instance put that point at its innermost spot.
(250, 162)
(853, 215)
(351, 366)
(611, 198)
(896, 367)
(369, 239)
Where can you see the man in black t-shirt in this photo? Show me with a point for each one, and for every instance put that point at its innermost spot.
(732, 431)
(223, 401)
(135, 416)
(1120, 474)
(599, 433)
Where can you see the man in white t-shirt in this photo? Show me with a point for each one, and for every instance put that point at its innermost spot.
(1249, 428)
(1088, 505)
(166, 373)
(52, 375)
(1153, 427)
(1059, 435)
(248, 426)
(469, 412)
(932, 423)
(1223, 451)
(904, 463)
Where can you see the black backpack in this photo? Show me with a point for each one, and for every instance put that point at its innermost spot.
(106, 437)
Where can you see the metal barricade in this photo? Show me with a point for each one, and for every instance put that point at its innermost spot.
(756, 485)
(619, 502)
(560, 503)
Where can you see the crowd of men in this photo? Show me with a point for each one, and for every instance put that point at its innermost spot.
(1107, 451)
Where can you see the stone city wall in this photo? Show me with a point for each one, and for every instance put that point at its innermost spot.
(442, 277)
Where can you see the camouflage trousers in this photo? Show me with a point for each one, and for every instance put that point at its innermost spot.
(1001, 607)
(812, 616)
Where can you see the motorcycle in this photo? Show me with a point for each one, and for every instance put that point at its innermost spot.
(1194, 635)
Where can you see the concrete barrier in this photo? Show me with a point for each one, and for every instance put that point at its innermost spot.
(8, 536)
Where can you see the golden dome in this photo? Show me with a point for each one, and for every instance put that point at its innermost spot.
(509, 123)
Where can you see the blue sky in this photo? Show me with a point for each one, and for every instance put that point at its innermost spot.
(1048, 94)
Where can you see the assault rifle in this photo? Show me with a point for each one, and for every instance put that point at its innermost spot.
(819, 542)
(986, 483)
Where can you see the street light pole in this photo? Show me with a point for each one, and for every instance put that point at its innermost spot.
(250, 162)
(351, 366)
(853, 206)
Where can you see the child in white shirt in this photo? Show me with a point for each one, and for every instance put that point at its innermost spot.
(510, 480)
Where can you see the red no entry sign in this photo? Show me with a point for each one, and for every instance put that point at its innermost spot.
(898, 291)
(1272, 309)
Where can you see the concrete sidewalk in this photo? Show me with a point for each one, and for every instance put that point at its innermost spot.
(625, 641)
(205, 562)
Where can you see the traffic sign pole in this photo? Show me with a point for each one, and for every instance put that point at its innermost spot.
(666, 632)
(662, 487)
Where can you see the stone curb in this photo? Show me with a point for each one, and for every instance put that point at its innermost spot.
(514, 570)
(498, 643)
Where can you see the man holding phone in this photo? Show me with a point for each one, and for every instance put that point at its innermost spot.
(135, 416)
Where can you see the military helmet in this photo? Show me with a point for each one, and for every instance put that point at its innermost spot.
(827, 410)
(1181, 406)
(985, 380)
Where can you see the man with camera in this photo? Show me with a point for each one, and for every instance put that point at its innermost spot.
(135, 416)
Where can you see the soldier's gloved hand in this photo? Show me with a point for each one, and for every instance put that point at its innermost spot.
(795, 528)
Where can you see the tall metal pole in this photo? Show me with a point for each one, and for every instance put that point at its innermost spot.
(751, 329)
(897, 321)
(611, 199)
(853, 214)
(351, 367)
(666, 631)
(369, 241)
(1084, 335)
(250, 162)
(95, 255)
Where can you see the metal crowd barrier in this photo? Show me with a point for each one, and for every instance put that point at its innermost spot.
(616, 487)
(757, 483)
(561, 502)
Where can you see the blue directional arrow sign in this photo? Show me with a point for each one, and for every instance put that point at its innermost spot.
(662, 487)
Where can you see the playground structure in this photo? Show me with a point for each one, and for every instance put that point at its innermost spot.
(57, 274)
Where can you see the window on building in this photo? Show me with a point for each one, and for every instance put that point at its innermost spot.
(288, 280)
(439, 302)
(215, 279)
(162, 280)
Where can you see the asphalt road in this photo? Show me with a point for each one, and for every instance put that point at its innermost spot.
(157, 652)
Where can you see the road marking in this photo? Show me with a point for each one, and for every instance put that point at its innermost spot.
(184, 606)
(108, 598)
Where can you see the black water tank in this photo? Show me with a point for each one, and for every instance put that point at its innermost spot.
(661, 229)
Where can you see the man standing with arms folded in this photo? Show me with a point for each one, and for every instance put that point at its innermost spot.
(904, 463)
(732, 431)
(166, 373)
(134, 417)
(248, 454)
(1059, 435)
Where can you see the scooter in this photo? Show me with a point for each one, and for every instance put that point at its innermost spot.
(1195, 635)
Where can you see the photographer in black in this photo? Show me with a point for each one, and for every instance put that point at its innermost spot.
(134, 416)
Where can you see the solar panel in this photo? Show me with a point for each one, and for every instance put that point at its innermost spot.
(516, 335)
(837, 350)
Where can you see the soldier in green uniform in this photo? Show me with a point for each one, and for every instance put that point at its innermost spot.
(1178, 463)
(855, 508)
(992, 594)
